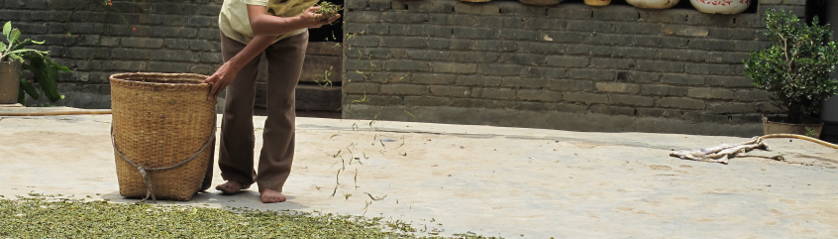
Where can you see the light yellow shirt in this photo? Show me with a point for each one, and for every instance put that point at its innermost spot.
(234, 21)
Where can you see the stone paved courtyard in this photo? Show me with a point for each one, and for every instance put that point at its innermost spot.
(494, 181)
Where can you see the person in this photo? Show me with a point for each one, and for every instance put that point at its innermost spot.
(279, 30)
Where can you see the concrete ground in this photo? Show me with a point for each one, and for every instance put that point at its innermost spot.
(493, 181)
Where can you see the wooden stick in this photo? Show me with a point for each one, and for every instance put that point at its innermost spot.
(57, 113)
(723, 153)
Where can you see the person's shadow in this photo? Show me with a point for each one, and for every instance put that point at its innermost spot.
(247, 199)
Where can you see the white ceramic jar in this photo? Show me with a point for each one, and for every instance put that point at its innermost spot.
(653, 4)
(721, 6)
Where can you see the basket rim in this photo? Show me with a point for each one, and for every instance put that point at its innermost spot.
(121, 78)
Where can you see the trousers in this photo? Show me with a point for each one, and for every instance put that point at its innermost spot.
(285, 63)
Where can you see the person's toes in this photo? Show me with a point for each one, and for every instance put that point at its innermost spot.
(270, 196)
(229, 187)
(273, 199)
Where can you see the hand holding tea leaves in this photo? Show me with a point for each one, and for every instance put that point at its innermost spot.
(313, 17)
(323, 14)
(328, 9)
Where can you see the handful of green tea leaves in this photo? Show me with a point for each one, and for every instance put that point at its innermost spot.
(328, 9)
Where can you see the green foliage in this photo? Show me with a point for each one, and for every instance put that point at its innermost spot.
(45, 74)
(44, 70)
(796, 67)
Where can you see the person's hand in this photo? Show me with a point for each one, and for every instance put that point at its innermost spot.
(329, 20)
(220, 79)
(312, 19)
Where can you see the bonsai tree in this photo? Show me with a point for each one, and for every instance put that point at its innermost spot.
(796, 67)
(43, 70)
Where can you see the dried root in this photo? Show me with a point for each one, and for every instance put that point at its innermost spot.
(723, 153)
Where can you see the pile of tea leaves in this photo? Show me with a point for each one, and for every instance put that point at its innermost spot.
(65, 218)
(328, 9)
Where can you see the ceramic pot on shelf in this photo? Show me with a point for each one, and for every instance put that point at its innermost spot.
(653, 4)
(721, 6)
(9, 82)
(597, 3)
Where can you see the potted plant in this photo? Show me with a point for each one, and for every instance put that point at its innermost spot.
(796, 69)
(830, 119)
(40, 75)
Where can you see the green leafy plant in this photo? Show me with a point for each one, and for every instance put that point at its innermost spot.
(796, 67)
(43, 79)
(45, 74)
(12, 48)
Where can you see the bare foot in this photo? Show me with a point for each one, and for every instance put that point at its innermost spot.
(230, 188)
(271, 196)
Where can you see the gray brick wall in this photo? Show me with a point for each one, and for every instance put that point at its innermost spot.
(569, 66)
(136, 35)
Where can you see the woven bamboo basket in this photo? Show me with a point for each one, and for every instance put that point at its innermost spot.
(163, 134)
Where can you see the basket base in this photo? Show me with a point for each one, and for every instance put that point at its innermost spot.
(178, 198)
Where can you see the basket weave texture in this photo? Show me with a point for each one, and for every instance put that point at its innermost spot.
(163, 133)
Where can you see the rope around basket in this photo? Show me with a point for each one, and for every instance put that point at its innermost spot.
(144, 172)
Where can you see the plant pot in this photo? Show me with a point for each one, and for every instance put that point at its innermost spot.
(829, 116)
(653, 4)
(9, 82)
(540, 2)
(811, 130)
(721, 6)
(597, 3)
